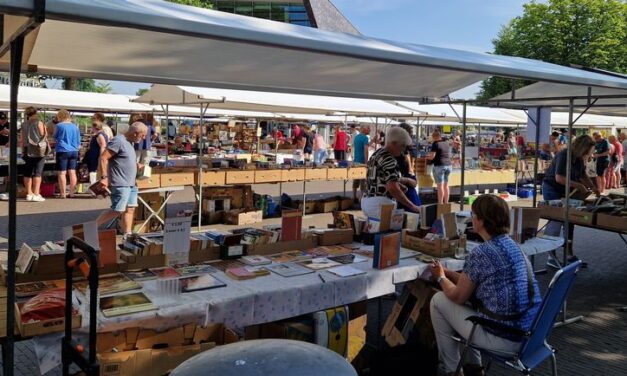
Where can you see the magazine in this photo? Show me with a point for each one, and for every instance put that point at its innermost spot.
(319, 263)
(124, 304)
(200, 282)
(255, 260)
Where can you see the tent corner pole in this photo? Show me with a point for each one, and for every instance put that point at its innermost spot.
(8, 355)
(535, 157)
(462, 186)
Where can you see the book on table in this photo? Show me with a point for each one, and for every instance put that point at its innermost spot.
(255, 260)
(165, 272)
(118, 305)
(140, 275)
(110, 284)
(346, 271)
(200, 282)
(387, 249)
(289, 269)
(246, 272)
(319, 263)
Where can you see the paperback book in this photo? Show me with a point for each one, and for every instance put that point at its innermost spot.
(346, 271)
(386, 250)
(165, 272)
(110, 284)
(125, 304)
(187, 270)
(26, 290)
(247, 272)
(349, 258)
(255, 260)
(140, 275)
(319, 263)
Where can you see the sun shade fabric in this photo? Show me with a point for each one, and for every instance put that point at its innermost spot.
(603, 106)
(160, 42)
(474, 114)
(268, 102)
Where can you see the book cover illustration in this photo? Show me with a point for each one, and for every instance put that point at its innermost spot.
(343, 220)
(289, 269)
(187, 270)
(386, 250)
(247, 272)
(223, 265)
(290, 256)
(110, 284)
(319, 263)
(26, 290)
(140, 275)
(349, 258)
(124, 304)
(200, 282)
(165, 272)
(255, 260)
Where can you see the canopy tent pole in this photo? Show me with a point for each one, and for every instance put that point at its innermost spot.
(463, 161)
(17, 49)
(167, 131)
(535, 157)
(376, 132)
(203, 110)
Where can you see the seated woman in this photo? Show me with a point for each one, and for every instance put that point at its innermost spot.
(497, 278)
(179, 147)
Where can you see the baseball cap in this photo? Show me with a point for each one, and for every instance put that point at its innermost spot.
(3, 115)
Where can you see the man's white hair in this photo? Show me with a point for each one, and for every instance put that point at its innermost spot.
(397, 135)
(138, 127)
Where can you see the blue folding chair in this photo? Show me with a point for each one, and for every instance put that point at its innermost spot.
(533, 349)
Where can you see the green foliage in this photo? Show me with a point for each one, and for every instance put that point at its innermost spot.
(195, 3)
(141, 92)
(590, 33)
(87, 84)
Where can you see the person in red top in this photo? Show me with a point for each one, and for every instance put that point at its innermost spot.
(616, 162)
(341, 143)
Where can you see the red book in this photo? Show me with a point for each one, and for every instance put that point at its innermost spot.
(291, 225)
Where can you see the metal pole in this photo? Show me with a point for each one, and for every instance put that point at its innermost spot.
(535, 157)
(17, 48)
(203, 109)
(463, 161)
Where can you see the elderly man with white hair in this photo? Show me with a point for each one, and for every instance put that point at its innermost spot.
(384, 181)
(118, 169)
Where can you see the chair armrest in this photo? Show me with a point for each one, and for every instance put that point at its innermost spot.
(497, 325)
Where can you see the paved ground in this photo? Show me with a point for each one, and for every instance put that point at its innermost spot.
(594, 346)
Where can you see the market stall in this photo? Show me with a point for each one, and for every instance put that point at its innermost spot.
(182, 41)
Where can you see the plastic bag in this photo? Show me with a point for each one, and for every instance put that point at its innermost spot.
(45, 306)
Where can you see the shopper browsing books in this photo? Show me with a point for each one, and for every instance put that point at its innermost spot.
(384, 181)
(118, 168)
(499, 277)
(68, 139)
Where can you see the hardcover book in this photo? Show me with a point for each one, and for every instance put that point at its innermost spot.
(319, 263)
(165, 272)
(246, 272)
(200, 282)
(124, 304)
(291, 225)
(255, 260)
(387, 249)
(187, 270)
(140, 275)
(110, 284)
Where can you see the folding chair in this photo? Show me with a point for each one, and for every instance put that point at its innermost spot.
(533, 349)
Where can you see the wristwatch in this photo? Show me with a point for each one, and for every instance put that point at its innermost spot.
(103, 177)
(440, 279)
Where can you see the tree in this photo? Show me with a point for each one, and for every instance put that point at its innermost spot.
(195, 3)
(87, 84)
(590, 33)
(141, 92)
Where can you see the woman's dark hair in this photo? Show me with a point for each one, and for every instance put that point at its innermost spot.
(582, 145)
(30, 111)
(494, 213)
(408, 128)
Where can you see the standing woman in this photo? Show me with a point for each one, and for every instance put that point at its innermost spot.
(35, 148)
(319, 149)
(68, 139)
(97, 146)
(341, 143)
(440, 154)
(617, 163)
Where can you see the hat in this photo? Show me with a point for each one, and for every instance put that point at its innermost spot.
(3, 115)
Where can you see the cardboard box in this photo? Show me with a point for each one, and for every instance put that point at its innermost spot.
(551, 212)
(267, 176)
(212, 218)
(327, 205)
(335, 236)
(345, 203)
(213, 178)
(436, 248)
(154, 181)
(272, 248)
(316, 174)
(293, 174)
(357, 172)
(612, 222)
(241, 217)
(197, 256)
(410, 311)
(240, 177)
(177, 178)
(310, 206)
(37, 328)
(146, 352)
(337, 174)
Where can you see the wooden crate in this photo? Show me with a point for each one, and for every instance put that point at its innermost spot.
(337, 174)
(213, 178)
(293, 174)
(37, 328)
(154, 181)
(240, 177)
(357, 172)
(177, 178)
(316, 174)
(267, 176)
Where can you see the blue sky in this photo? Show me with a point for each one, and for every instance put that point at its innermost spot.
(462, 24)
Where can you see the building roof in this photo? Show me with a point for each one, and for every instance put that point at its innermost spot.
(328, 17)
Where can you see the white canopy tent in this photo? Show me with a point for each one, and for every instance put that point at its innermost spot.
(615, 105)
(267, 101)
(453, 112)
(161, 42)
